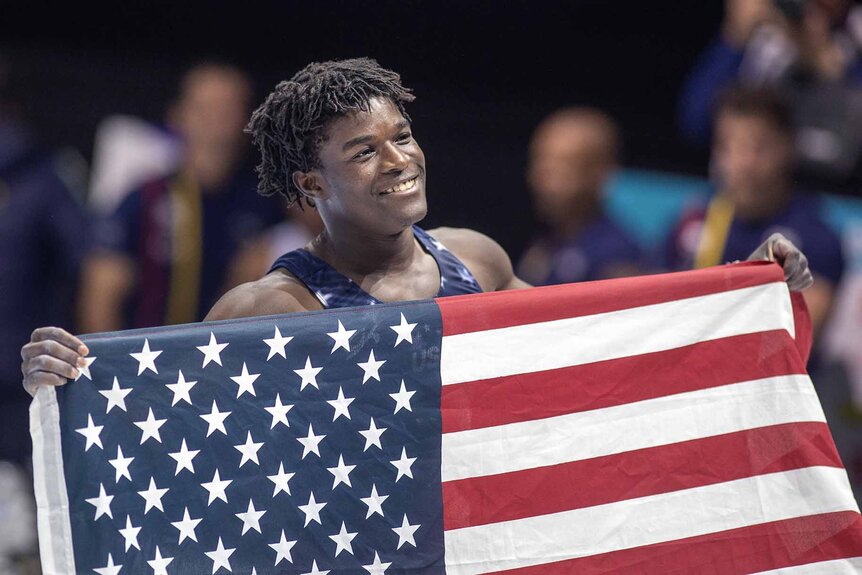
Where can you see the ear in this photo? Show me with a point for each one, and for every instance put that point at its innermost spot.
(310, 184)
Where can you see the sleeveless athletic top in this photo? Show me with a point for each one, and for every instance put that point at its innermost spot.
(333, 289)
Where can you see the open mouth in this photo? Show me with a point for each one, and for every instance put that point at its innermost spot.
(402, 187)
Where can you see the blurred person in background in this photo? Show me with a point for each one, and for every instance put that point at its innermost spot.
(811, 50)
(752, 167)
(42, 244)
(573, 154)
(175, 245)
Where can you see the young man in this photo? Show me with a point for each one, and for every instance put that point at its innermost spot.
(336, 137)
(752, 167)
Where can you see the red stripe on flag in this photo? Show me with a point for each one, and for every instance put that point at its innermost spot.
(638, 473)
(774, 545)
(461, 314)
(555, 392)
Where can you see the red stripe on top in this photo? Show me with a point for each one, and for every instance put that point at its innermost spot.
(774, 545)
(538, 395)
(467, 313)
(638, 473)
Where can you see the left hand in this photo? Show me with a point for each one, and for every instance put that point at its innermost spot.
(779, 249)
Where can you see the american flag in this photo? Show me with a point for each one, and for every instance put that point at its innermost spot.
(663, 424)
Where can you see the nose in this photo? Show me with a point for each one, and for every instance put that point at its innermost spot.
(395, 159)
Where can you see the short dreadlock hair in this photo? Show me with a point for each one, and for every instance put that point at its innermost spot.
(290, 126)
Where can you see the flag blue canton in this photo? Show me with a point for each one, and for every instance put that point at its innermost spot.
(200, 466)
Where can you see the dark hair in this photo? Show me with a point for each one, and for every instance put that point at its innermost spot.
(759, 102)
(290, 126)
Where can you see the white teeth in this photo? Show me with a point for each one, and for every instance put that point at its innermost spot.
(402, 187)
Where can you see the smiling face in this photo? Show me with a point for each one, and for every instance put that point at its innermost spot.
(370, 174)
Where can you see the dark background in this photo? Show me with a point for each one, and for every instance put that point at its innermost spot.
(484, 74)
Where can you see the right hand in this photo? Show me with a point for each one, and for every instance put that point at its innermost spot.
(52, 357)
(742, 18)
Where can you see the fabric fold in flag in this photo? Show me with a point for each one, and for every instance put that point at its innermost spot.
(660, 424)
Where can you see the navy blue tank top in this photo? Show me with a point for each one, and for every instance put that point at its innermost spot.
(333, 289)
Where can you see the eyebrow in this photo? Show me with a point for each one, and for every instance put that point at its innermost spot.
(367, 138)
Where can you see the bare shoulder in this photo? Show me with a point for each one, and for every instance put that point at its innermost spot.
(483, 256)
(275, 293)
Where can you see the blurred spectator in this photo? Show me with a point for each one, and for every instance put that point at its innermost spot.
(573, 154)
(42, 243)
(811, 50)
(752, 169)
(128, 152)
(166, 253)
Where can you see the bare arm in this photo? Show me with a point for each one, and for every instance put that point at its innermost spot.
(275, 293)
(484, 257)
(106, 282)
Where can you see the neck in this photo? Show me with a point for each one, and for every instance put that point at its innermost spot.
(358, 253)
(210, 168)
(578, 219)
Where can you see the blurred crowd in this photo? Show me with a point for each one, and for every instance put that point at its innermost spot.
(170, 219)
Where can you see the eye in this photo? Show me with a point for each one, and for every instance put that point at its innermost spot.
(364, 153)
(404, 137)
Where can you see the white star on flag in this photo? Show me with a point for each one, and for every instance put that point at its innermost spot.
(245, 381)
(215, 420)
(404, 331)
(311, 442)
(110, 568)
(312, 510)
(341, 405)
(276, 345)
(249, 450)
(85, 371)
(341, 337)
(374, 502)
(160, 564)
(371, 367)
(150, 427)
(181, 389)
(280, 480)
(341, 473)
(250, 518)
(153, 496)
(282, 549)
(278, 411)
(402, 398)
(212, 351)
(102, 503)
(116, 397)
(342, 540)
(220, 557)
(184, 457)
(315, 570)
(186, 527)
(146, 358)
(130, 534)
(377, 567)
(372, 435)
(91, 432)
(121, 465)
(216, 488)
(403, 465)
(405, 533)
(308, 374)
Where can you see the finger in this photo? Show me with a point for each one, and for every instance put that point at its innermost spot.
(51, 365)
(53, 349)
(802, 282)
(42, 379)
(60, 335)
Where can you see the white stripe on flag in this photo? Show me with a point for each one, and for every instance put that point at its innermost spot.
(579, 340)
(851, 566)
(647, 520)
(617, 429)
(49, 485)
